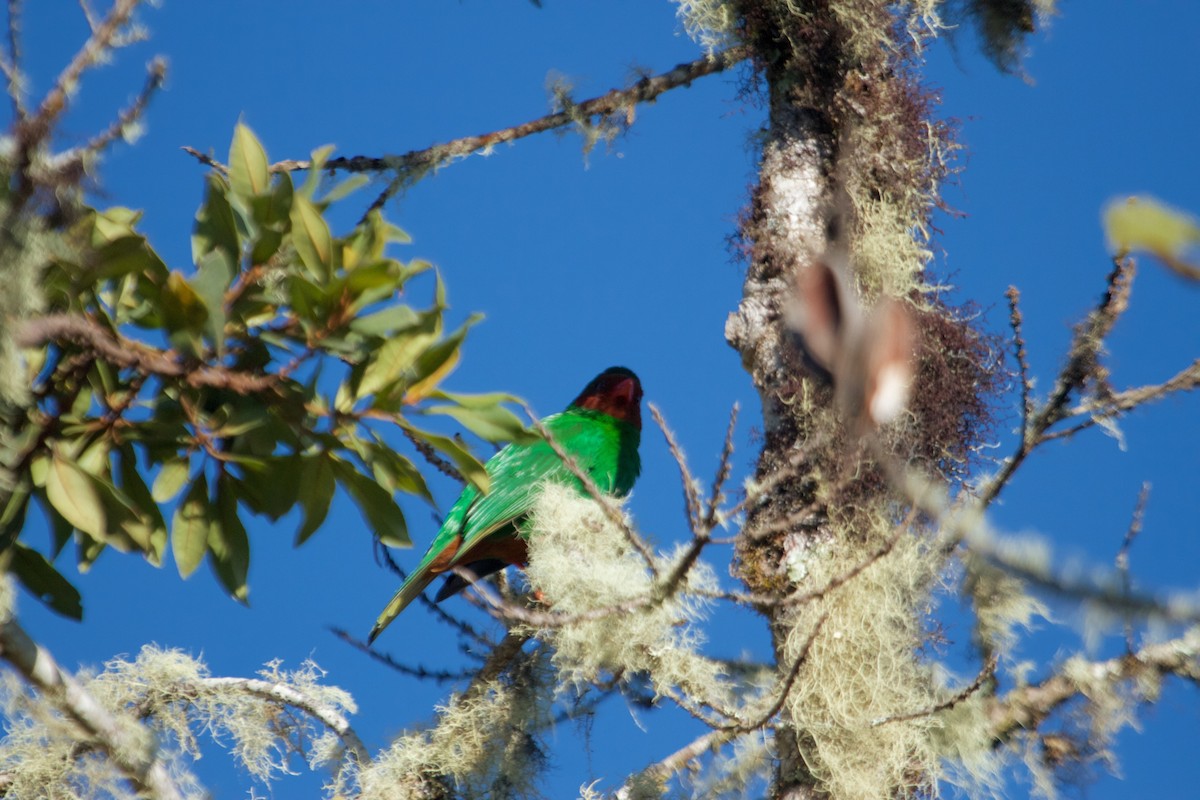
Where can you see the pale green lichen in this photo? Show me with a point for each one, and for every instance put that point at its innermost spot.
(710, 23)
(862, 666)
(163, 698)
(484, 743)
(581, 561)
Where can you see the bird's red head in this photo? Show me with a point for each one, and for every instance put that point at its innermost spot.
(617, 392)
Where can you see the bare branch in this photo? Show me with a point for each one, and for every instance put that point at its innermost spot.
(419, 672)
(156, 73)
(1080, 367)
(104, 35)
(1186, 380)
(136, 757)
(1131, 533)
(1015, 320)
(968, 525)
(128, 354)
(206, 160)
(12, 64)
(691, 497)
(724, 468)
(415, 164)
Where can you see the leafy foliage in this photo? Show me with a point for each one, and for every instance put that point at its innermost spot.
(260, 380)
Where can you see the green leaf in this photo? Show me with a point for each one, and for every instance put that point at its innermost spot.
(311, 237)
(470, 467)
(400, 352)
(228, 546)
(183, 312)
(189, 527)
(377, 505)
(315, 167)
(73, 494)
(397, 473)
(345, 188)
(248, 167)
(45, 582)
(382, 323)
(437, 362)
(151, 529)
(243, 419)
(271, 487)
(170, 479)
(493, 423)
(215, 228)
(124, 256)
(214, 274)
(113, 224)
(317, 486)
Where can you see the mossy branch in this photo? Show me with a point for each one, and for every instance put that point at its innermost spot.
(1027, 707)
(136, 756)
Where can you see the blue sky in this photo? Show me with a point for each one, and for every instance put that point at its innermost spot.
(621, 257)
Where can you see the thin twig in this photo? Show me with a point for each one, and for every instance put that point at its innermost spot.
(985, 674)
(724, 469)
(414, 164)
(969, 526)
(691, 497)
(35, 128)
(430, 455)
(502, 609)
(206, 160)
(1015, 320)
(1024, 708)
(419, 672)
(461, 625)
(788, 682)
(1131, 533)
(1186, 380)
(12, 64)
(156, 74)
(1079, 368)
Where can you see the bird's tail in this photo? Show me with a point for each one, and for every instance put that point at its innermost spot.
(412, 587)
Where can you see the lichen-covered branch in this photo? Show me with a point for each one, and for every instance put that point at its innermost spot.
(286, 695)
(133, 750)
(1025, 708)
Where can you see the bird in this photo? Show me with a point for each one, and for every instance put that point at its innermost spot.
(482, 533)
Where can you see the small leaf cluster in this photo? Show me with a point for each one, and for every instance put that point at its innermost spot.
(167, 402)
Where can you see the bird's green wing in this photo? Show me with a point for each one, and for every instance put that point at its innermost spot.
(517, 473)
